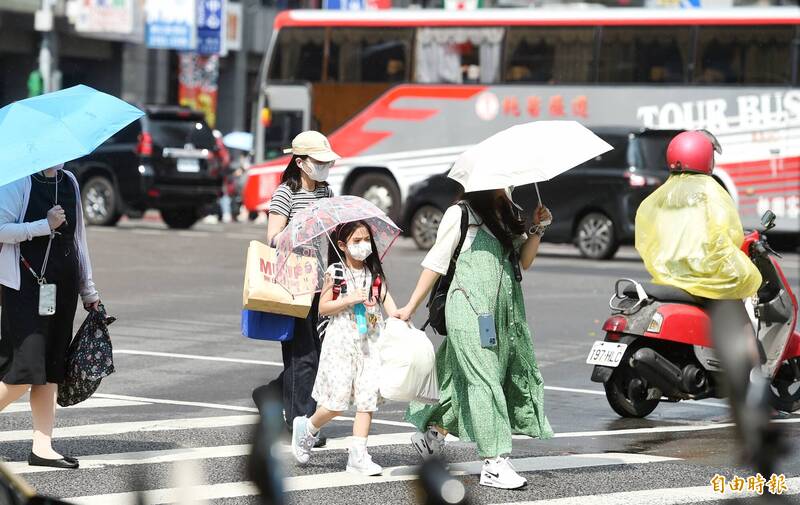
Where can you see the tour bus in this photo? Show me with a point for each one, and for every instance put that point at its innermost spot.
(402, 93)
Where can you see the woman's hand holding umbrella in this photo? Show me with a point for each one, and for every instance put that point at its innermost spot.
(56, 217)
(542, 216)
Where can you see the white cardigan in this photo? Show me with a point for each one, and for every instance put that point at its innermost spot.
(14, 198)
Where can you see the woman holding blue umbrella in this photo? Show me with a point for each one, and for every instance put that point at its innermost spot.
(41, 223)
(44, 257)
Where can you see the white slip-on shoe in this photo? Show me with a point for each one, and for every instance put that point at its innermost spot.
(359, 461)
(429, 444)
(501, 474)
(302, 440)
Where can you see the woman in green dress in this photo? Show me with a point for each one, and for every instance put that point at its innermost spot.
(487, 392)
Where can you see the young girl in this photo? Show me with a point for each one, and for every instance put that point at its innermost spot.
(349, 366)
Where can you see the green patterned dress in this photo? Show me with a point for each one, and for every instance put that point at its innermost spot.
(487, 394)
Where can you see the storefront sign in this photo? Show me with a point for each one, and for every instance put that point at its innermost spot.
(171, 24)
(197, 84)
(210, 16)
(104, 16)
(233, 27)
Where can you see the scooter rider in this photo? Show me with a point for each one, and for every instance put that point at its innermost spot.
(689, 234)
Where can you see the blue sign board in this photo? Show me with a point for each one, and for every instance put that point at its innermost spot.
(344, 5)
(171, 24)
(210, 16)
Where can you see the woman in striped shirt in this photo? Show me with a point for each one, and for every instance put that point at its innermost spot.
(303, 182)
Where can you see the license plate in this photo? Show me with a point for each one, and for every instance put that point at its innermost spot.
(188, 165)
(606, 353)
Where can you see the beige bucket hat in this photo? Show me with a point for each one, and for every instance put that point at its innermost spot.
(314, 144)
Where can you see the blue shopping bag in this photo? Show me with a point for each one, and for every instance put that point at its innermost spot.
(266, 326)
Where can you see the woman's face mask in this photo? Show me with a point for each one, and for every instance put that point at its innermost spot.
(315, 170)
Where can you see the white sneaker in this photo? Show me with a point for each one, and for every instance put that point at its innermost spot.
(429, 444)
(501, 474)
(359, 461)
(302, 440)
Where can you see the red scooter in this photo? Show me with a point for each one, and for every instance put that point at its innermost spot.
(658, 340)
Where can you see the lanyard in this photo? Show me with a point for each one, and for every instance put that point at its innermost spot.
(40, 278)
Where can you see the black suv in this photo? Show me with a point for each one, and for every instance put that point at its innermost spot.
(594, 205)
(166, 160)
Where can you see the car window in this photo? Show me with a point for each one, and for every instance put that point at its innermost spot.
(180, 132)
(649, 152)
(616, 158)
(127, 135)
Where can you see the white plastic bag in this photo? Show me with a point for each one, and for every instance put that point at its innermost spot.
(408, 364)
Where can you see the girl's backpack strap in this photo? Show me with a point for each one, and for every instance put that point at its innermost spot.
(338, 279)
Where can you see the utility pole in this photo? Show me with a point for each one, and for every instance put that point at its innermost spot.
(44, 24)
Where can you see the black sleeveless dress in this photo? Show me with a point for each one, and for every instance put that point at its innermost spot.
(32, 347)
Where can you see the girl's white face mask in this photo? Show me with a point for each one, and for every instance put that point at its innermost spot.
(316, 171)
(360, 251)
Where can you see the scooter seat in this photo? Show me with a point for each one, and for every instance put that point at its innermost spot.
(665, 294)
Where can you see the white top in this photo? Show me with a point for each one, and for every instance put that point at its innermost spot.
(14, 198)
(447, 237)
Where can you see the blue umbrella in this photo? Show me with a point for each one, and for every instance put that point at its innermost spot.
(242, 141)
(46, 130)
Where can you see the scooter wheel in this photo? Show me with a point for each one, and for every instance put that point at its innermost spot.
(626, 392)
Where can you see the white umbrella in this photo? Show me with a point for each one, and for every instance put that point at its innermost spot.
(239, 140)
(526, 153)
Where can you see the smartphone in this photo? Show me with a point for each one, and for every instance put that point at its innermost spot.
(487, 330)
(47, 299)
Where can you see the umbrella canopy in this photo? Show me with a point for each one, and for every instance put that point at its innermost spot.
(308, 235)
(46, 130)
(525, 154)
(242, 141)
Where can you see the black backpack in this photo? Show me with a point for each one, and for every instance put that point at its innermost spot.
(438, 299)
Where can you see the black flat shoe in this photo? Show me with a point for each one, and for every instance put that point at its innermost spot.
(65, 462)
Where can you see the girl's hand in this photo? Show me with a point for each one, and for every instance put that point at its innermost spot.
(404, 313)
(91, 306)
(359, 295)
(542, 216)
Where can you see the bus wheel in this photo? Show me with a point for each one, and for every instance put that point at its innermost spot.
(380, 190)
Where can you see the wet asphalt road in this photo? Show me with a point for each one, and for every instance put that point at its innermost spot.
(177, 296)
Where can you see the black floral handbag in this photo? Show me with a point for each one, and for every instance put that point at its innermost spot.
(89, 359)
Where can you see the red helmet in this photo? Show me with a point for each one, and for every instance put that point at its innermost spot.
(692, 151)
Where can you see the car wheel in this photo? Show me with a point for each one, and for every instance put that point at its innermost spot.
(180, 218)
(424, 225)
(595, 237)
(99, 200)
(380, 190)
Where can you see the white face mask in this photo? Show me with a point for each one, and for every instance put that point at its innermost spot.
(317, 171)
(360, 251)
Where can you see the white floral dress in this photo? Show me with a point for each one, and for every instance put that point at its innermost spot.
(349, 365)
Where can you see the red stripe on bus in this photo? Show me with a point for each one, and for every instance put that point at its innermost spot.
(792, 177)
(789, 190)
(352, 140)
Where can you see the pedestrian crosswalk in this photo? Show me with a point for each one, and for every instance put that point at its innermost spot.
(204, 441)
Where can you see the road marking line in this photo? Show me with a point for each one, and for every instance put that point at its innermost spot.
(602, 393)
(192, 234)
(194, 494)
(665, 496)
(91, 403)
(202, 453)
(198, 357)
(345, 479)
(106, 429)
(148, 232)
(220, 406)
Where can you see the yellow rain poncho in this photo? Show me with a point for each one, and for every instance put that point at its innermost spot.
(689, 235)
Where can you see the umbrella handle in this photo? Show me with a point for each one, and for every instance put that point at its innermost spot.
(539, 196)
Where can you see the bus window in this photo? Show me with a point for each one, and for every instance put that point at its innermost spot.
(644, 54)
(458, 55)
(551, 55)
(369, 55)
(744, 55)
(298, 55)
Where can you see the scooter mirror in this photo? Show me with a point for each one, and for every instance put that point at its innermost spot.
(768, 220)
